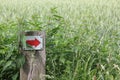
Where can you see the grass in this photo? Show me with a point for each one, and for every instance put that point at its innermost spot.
(83, 37)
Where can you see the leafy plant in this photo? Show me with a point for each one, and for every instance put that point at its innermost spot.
(82, 37)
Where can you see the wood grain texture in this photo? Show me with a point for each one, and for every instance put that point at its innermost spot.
(34, 67)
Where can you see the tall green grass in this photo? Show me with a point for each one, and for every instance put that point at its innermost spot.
(82, 37)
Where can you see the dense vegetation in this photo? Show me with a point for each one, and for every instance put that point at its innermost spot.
(82, 37)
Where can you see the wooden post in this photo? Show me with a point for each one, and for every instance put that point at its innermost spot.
(34, 67)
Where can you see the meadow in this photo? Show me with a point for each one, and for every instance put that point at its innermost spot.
(82, 37)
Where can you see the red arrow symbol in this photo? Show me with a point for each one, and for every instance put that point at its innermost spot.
(33, 42)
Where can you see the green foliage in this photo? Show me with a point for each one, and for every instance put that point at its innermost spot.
(82, 39)
(10, 60)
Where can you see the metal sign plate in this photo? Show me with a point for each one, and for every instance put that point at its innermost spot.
(33, 43)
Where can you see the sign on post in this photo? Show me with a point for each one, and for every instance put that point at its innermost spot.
(33, 43)
(33, 48)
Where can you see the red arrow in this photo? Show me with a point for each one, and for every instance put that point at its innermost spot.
(33, 42)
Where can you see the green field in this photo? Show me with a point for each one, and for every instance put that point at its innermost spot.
(82, 37)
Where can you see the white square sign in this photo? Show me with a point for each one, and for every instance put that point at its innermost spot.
(33, 43)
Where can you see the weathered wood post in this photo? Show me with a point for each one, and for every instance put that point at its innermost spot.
(33, 48)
